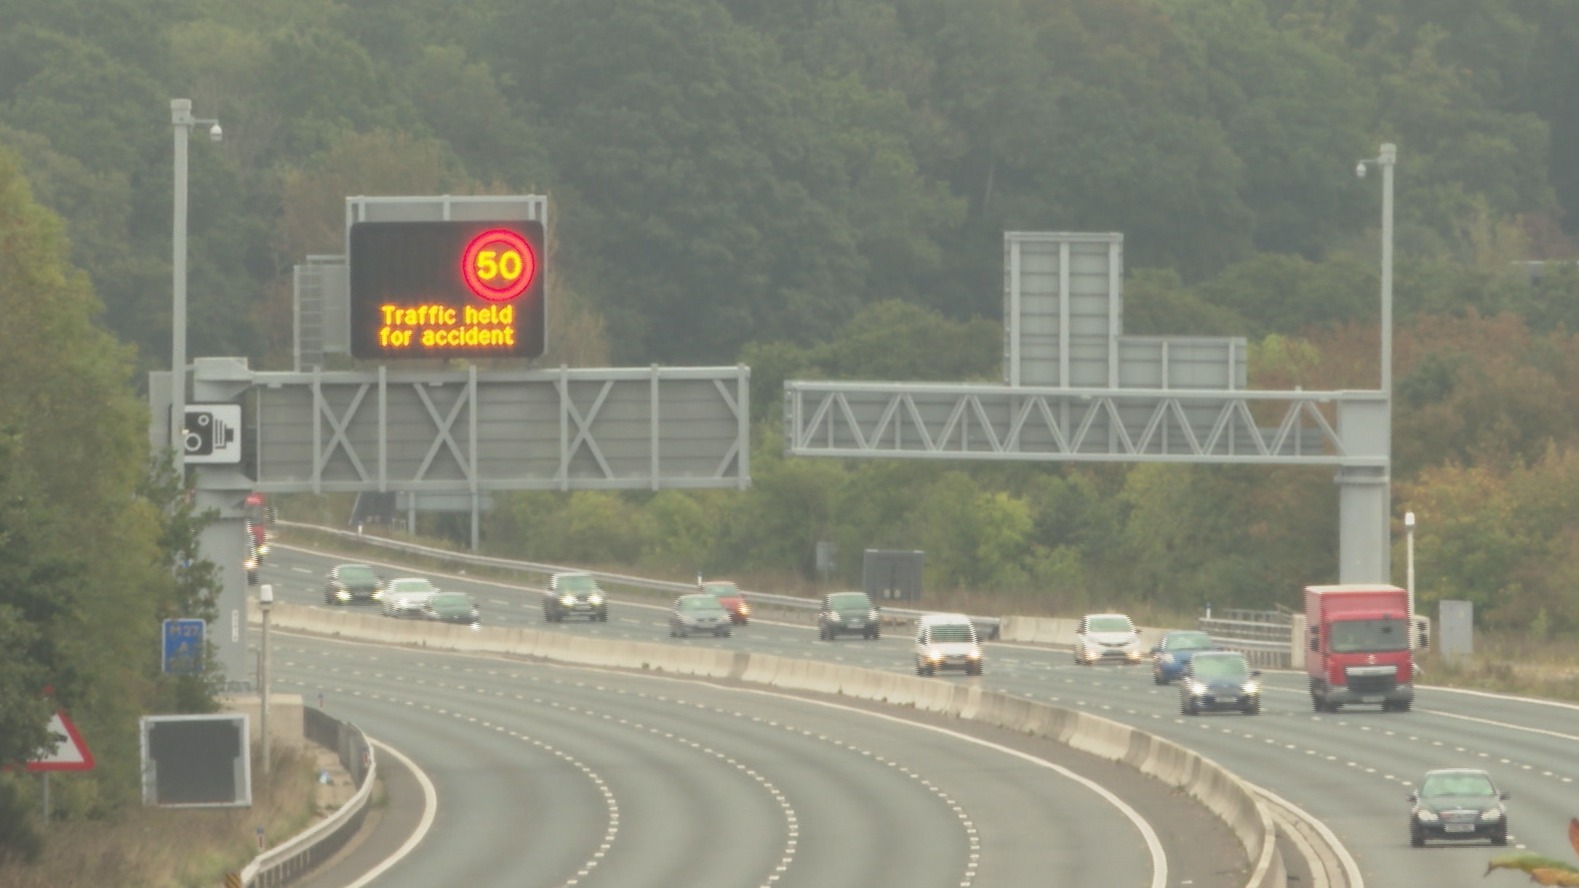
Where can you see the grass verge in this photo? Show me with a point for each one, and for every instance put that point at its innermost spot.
(152, 847)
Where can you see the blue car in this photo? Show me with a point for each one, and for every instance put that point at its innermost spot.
(1173, 652)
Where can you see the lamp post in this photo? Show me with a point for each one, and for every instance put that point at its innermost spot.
(265, 603)
(181, 122)
(1409, 571)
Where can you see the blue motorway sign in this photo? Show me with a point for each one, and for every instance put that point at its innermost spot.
(183, 647)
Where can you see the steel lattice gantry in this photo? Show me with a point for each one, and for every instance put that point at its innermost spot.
(1023, 423)
(1344, 429)
(465, 431)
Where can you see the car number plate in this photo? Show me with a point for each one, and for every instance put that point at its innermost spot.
(1458, 827)
(1372, 699)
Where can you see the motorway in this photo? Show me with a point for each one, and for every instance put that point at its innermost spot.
(1352, 769)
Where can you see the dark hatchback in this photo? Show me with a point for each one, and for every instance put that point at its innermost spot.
(574, 594)
(1219, 681)
(352, 584)
(1458, 803)
(847, 613)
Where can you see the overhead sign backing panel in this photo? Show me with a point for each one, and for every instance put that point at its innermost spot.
(449, 289)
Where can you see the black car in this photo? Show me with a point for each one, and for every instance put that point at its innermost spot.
(352, 584)
(1458, 803)
(1216, 681)
(847, 613)
(574, 594)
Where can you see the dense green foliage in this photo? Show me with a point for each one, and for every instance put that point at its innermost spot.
(89, 529)
(816, 188)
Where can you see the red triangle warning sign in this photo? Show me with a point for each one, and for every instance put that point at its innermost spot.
(69, 754)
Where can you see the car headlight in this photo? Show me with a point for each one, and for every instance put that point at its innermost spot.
(1491, 816)
(1168, 659)
(1252, 689)
(744, 608)
(263, 550)
(567, 600)
(1196, 687)
(341, 594)
(594, 599)
(1426, 815)
(872, 615)
(973, 655)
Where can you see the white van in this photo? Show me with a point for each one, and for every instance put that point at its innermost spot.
(946, 641)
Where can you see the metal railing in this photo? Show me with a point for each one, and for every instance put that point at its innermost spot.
(538, 573)
(1265, 637)
(295, 858)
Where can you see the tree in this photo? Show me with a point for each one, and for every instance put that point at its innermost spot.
(83, 577)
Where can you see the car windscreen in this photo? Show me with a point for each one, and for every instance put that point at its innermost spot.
(450, 601)
(1109, 624)
(1458, 785)
(722, 590)
(358, 574)
(576, 583)
(405, 586)
(1207, 668)
(1194, 641)
(698, 603)
(952, 632)
(850, 602)
(1368, 636)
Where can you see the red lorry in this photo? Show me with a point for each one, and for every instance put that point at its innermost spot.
(1358, 651)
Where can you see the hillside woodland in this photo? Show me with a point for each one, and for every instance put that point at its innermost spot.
(817, 189)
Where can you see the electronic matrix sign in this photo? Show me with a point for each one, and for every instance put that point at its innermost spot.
(446, 289)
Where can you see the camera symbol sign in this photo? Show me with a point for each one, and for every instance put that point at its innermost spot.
(212, 433)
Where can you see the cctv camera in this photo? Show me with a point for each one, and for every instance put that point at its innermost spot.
(1359, 168)
(215, 133)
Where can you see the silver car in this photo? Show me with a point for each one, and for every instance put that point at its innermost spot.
(699, 613)
(406, 596)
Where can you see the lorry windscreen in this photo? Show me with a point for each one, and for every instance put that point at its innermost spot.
(1368, 636)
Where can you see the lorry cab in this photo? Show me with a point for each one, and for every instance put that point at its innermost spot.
(1359, 651)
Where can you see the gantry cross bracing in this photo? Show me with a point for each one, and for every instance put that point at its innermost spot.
(1019, 423)
(470, 430)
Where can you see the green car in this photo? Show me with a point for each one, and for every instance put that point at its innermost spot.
(847, 613)
(452, 607)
